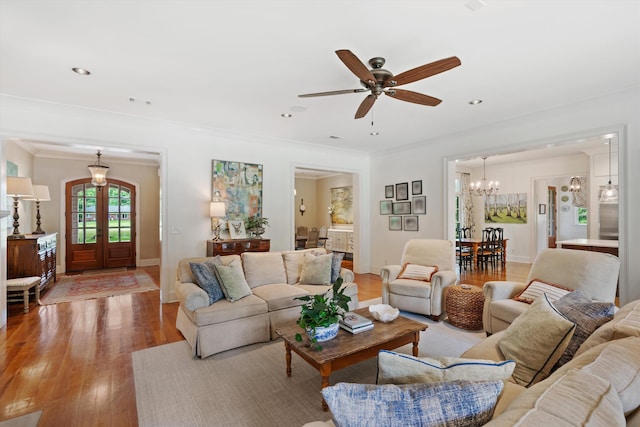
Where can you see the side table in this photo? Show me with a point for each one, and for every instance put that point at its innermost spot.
(464, 306)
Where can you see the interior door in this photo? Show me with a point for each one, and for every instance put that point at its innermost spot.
(100, 225)
(552, 217)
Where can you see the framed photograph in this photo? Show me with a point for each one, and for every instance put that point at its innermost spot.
(236, 230)
(416, 187)
(542, 209)
(419, 205)
(411, 223)
(386, 207)
(401, 208)
(388, 191)
(395, 223)
(402, 191)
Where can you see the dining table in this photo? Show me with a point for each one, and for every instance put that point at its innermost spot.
(474, 243)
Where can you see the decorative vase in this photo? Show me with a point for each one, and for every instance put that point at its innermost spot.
(323, 333)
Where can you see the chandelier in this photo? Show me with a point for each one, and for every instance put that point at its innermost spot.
(574, 184)
(483, 188)
(98, 173)
(609, 193)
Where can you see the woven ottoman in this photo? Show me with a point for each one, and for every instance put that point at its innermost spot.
(464, 305)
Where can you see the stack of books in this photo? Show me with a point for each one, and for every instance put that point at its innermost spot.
(355, 323)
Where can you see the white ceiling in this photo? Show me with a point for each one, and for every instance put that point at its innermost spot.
(237, 65)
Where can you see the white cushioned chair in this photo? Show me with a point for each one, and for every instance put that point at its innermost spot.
(421, 296)
(594, 273)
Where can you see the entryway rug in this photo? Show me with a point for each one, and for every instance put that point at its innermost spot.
(248, 386)
(83, 287)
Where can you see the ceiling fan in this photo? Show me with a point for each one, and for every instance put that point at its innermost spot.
(379, 81)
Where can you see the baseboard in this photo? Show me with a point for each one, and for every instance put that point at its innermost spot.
(149, 262)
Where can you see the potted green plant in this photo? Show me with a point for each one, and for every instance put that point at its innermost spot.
(321, 314)
(255, 225)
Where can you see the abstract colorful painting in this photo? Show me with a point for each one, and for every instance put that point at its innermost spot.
(240, 186)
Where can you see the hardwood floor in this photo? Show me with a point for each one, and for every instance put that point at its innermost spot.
(73, 360)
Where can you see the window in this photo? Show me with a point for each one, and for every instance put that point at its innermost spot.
(581, 216)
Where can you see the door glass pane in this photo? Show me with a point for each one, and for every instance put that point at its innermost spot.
(114, 235)
(125, 234)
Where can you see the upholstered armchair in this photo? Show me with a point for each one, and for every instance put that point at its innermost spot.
(423, 295)
(594, 273)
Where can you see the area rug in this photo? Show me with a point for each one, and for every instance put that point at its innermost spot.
(83, 287)
(28, 420)
(248, 386)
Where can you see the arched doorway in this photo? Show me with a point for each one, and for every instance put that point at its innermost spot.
(100, 224)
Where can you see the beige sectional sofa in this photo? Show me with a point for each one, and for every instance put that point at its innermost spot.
(274, 279)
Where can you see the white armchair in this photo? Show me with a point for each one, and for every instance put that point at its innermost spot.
(419, 296)
(594, 273)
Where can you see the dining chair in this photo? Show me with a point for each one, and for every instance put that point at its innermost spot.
(485, 254)
(498, 249)
(464, 253)
(312, 239)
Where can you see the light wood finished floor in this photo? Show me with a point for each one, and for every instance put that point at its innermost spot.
(73, 360)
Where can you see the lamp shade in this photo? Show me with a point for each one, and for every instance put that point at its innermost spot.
(40, 193)
(217, 210)
(19, 186)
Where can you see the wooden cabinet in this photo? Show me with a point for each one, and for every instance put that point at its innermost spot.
(236, 247)
(35, 255)
(340, 240)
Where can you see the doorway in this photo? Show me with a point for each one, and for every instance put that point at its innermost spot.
(100, 224)
(552, 215)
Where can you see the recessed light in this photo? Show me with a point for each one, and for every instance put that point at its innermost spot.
(374, 133)
(334, 137)
(81, 71)
(475, 101)
(286, 115)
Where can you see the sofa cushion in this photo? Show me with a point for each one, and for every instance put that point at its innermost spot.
(577, 398)
(508, 309)
(316, 269)
(536, 288)
(411, 288)
(336, 265)
(397, 368)
(459, 403)
(204, 274)
(293, 261)
(417, 272)
(617, 362)
(232, 281)
(535, 340)
(224, 311)
(280, 295)
(262, 268)
(625, 323)
(586, 314)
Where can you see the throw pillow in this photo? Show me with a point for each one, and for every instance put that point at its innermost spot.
(536, 288)
(417, 272)
(205, 276)
(459, 403)
(316, 270)
(586, 314)
(535, 340)
(232, 281)
(336, 265)
(397, 368)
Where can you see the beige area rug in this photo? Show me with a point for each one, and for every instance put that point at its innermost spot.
(83, 287)
(248, 386)
(28, 420)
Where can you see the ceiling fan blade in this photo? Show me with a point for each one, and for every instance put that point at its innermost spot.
(424, 71)
(355, 65)
(365, 106)
(333, 92)
(415, 97)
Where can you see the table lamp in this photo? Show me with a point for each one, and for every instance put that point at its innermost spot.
(40, 194)
(18, 187)
(216, 211)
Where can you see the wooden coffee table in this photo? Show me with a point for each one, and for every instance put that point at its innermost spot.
(348, 349)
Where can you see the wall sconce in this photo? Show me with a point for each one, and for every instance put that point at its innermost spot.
(217, 210)
(40, 194)
(98, 173)
(18, 187)
(302, 207)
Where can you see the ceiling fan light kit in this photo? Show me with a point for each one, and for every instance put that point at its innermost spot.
(377, 80)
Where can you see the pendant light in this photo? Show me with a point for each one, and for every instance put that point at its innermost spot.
(98, 173)
(609, 193)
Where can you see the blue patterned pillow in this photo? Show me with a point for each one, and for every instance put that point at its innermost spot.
(336, 265)
(586, 314)
(205, 275)
(455, 403)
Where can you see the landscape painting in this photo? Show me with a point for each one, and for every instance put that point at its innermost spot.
(506, 208)
(342, 203)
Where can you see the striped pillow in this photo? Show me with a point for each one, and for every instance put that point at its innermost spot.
(417, 272)
(536, 288)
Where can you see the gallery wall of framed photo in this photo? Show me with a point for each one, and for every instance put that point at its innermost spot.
(403, 203)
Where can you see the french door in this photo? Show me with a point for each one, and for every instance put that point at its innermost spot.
(100, 225)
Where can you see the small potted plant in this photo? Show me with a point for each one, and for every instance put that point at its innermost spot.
(321, 314)
(255, 225)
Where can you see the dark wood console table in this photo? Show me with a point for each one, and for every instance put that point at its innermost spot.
(35, 255)
(236, 247)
